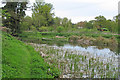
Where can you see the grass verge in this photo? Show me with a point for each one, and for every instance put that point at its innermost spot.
(22, 61)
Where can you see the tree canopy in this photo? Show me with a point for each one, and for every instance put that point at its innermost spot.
(42, 14)
(16, 10)
(43, 19)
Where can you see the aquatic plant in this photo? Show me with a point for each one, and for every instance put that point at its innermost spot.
(74, 62)
(71, 66)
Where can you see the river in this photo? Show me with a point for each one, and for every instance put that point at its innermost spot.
(80, 62)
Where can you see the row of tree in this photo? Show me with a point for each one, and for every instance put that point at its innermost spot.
(14, 17)
(43, 19)
(100, 22)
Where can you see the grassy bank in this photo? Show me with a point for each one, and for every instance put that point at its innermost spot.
(22, 61)
(86, 40)
(60, 38)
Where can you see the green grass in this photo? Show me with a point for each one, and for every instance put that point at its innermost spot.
(37, 36)
(22, 61)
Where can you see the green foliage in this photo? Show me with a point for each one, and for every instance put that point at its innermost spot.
(13, 18)
(26, 24)
(99, 41)
(30, 36)
(50, 28)
(57, 21)
(15, 58)
(16, 10)
(22, 61)
(60, 29)
(42, 15)
(89, 25)
(100, 18)
(32, 28)
(43, 29)
(5, 14)
(102, 22)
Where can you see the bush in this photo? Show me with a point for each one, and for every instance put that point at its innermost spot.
(5, 29)
(32, 28)
(51, 29)
(60, 29)
(43, 28)
(24, 26)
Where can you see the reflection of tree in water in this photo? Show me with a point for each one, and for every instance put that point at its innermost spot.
(111, 47)
(58, 43)
(118, 49)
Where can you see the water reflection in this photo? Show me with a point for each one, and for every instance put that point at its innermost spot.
(106, 52)
(103, 48)
(81, 62)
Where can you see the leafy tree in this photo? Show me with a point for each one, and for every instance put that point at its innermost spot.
(100, 18)
(42, 14)
(17, 12)
(5, 15)
(43, 28)
(64, 22)
(81, 24)
(115, 18)
(51, 28)
(26, 23)
(100, 21)
(57, 21)
(89, 25)
(60, 29)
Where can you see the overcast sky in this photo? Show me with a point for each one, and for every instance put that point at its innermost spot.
(81, 10)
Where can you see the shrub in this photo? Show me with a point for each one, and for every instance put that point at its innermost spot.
(43, 28)
(60, 29)
(5, 29)
(51, 29)
(32, 28)
(73, 38)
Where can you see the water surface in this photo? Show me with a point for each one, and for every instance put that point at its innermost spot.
(81, 62)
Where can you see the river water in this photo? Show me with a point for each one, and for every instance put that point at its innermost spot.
(106, 52)
(81, 62)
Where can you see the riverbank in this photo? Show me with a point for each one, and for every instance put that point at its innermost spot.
(22, 61)
(99, 39)
(49, 36)
(34, 65)
(86, 40)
